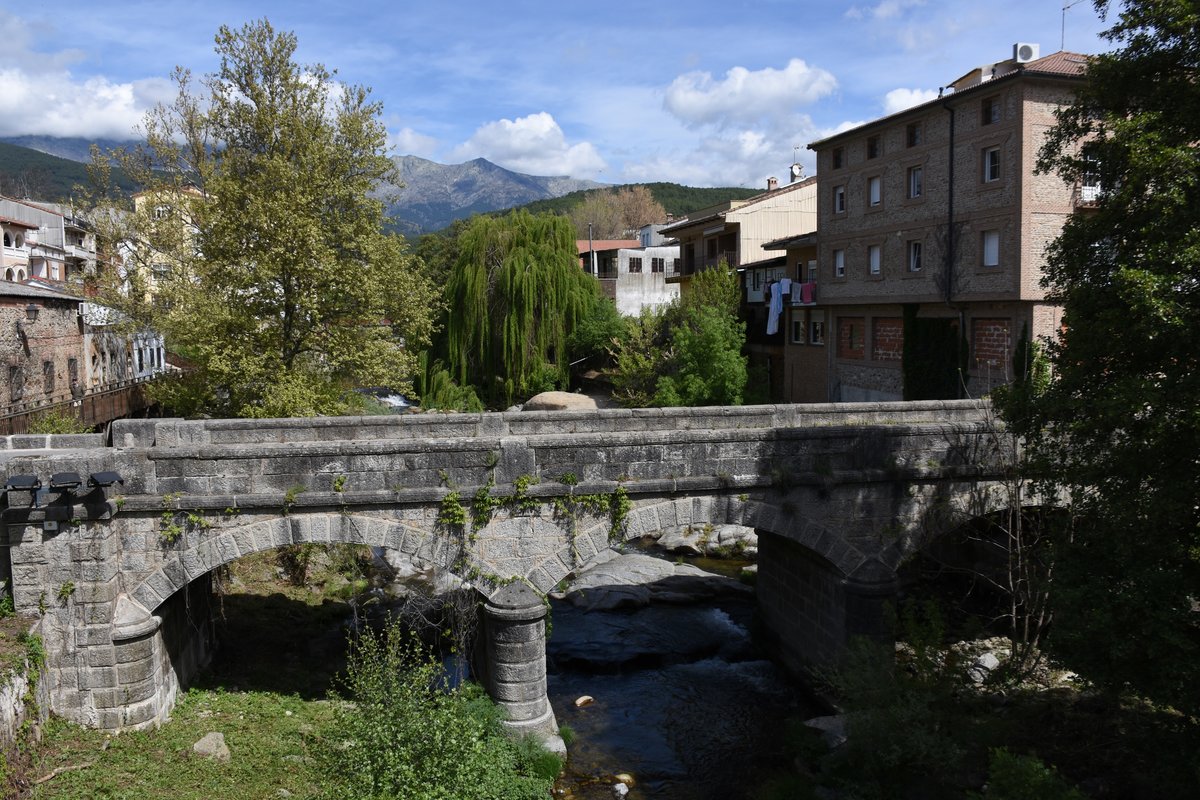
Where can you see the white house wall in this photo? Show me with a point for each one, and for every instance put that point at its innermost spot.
(647, 289)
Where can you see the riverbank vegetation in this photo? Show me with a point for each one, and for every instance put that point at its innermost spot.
(293, 727)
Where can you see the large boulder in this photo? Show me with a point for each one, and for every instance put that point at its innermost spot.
(559, 401)
(633, 580)
(710, 540)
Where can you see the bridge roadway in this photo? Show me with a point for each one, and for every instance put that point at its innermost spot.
(840, 496)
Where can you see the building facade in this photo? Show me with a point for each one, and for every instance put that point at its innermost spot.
(735, 233)
(632, 276)
(934, 225)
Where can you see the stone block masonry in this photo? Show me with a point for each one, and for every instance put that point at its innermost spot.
(839, 494)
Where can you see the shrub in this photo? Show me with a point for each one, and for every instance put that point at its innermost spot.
(407, 734)
(1017, 777)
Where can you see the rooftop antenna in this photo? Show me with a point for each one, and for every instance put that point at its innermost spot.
(1066, 4)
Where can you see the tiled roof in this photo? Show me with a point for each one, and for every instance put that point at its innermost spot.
(1061, 63)
(11, 289)
(605, 244)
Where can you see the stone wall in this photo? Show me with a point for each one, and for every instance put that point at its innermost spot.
(843, 494)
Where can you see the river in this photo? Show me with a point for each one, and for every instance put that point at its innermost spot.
(684, 701)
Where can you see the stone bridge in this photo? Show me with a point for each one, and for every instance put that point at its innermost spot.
(120, 575)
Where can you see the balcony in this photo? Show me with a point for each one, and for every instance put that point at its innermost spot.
(804, 294)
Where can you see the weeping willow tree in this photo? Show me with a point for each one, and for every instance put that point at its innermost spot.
(515, 295)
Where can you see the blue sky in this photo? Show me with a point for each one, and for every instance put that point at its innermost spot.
(701, 93)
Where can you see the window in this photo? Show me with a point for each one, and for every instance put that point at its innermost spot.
(991, 164)
(873, 259)
(1089, 181)
(798, 330)
(914, 256)
(162, 212)
(48, 377)
(839, 199)
(839, 263)
(16, 383)
(912, 134)
(73, 371)
(873, 147)
(915, 182)
(990, 112)
(990, 247)
(635, 265)
(710, 248)
(657, 264)
(816, 327)
(161, 272)
(675, 266)
(874, 191)
(839, 157)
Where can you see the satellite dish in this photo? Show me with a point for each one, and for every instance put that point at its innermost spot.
(797, 170)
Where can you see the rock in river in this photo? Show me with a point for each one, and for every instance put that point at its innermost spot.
(633, 580)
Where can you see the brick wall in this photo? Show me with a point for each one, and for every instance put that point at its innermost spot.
(991, 343)
(887, 338)
(851, 342)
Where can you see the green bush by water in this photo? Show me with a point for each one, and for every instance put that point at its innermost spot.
(405, 734)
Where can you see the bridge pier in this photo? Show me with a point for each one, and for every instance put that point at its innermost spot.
(515, 632)
(811, 608)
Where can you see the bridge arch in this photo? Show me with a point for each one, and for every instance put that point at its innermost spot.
(230, 543)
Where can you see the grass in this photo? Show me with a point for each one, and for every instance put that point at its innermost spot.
(266, 691)
(270, 737)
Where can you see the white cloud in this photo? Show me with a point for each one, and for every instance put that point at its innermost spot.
(724, 157)
(695, 98)
(407, 142)
(901, 99)
(42, 97)
(535, 145)
(886, 10)
(55, 104)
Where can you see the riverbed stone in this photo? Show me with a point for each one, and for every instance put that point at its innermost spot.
(635, 580)
(212, 746)
(710, 540)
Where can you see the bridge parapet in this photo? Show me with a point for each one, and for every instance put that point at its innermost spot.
(179, 432)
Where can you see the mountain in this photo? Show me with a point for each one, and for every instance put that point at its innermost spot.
(31, 173)
(72, 149)
(434, 195)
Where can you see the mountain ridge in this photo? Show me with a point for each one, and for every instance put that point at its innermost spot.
(433, 195)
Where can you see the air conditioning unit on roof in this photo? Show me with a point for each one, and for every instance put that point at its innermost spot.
(1024, 52)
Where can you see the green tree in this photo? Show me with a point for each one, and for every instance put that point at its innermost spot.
(1118, 430)
(689, 354)
(257, 248)
(516, 294)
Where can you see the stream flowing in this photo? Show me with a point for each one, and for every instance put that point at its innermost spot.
(684, 701)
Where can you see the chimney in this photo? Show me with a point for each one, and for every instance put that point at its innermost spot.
(772, 184)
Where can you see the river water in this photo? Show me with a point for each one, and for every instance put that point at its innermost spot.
(684, 701)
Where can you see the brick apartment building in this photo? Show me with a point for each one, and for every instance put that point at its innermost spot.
(936, 214)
